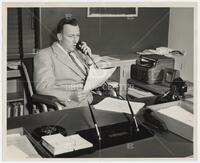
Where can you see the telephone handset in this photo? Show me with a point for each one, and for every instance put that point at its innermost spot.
(79, 45)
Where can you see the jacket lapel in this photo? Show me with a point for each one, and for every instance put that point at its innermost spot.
(63, 57)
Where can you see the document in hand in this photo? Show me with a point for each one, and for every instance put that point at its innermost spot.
(97, 77)
(117, 105)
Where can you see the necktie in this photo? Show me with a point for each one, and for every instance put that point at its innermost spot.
(78, 63)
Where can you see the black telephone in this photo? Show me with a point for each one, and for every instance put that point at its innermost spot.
(177, 89)
(153, 121)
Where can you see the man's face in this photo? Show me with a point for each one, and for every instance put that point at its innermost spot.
(69, 37)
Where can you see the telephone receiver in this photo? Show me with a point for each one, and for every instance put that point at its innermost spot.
(79, 45)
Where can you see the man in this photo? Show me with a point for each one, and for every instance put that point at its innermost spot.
(61, 69)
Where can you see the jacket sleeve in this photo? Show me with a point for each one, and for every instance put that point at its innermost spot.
(44, 78)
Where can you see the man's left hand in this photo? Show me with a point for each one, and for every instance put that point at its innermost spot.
(86, 49)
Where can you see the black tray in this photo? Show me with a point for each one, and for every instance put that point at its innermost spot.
(115, 134)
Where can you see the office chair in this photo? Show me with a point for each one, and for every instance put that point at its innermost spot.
(36, 103)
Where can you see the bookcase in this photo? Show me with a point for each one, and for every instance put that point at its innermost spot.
(15, 91)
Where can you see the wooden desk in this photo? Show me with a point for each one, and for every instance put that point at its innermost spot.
(76, 119)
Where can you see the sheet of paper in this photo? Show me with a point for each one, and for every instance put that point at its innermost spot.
(178, 113)
(97, 77)
(117, 105)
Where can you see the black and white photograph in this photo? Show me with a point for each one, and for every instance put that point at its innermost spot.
(99, 80)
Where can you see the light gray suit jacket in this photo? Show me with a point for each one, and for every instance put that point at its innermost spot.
(56, 74)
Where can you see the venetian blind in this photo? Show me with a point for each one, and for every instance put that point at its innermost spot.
(28, 32)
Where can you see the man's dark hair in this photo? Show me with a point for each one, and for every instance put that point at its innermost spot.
(64, 21)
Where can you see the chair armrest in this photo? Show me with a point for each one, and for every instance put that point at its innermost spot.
(47, 100)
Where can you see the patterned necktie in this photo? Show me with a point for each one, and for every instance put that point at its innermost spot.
(78, 63)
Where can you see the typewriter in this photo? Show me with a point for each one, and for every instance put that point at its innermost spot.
(151, 68)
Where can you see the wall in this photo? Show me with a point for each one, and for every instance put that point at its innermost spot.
(181, 37)
(112, 36)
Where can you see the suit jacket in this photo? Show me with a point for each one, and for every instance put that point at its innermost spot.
(56, 74)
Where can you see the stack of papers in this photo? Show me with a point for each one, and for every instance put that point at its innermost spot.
(163, 51)
(58, 144)
(178, 113)
(117, 105)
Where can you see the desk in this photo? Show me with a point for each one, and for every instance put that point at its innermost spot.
(161, 145)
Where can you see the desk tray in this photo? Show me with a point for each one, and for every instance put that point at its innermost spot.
(115, 134)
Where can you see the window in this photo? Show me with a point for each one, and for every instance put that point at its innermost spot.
(20, 32)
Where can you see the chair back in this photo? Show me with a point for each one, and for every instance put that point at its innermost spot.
(27, 73)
